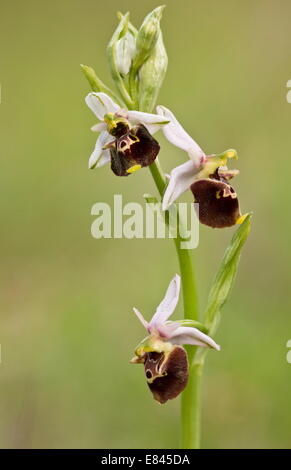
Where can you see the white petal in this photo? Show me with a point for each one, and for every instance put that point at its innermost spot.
(99, 156)
(141, 318)
(153, 122)
(168, 304)
(101, 126)
(100, 104)
(181, 179)
(104, 159)
(175, 134)
(188, 335)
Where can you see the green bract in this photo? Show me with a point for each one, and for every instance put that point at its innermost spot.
(225, 276)
(97, 84)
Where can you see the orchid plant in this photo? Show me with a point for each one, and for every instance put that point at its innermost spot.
(127, 123)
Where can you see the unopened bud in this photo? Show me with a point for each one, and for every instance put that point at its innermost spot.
(131, 28)
(147, 36)
(115, 62)
(151, 76)
(125, 51)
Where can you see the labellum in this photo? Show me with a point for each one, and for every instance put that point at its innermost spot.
(133, 149)
(217, 199)
(166, 373)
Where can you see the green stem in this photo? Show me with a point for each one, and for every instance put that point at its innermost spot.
(121, 87)
(184, 255)
(190, 403)
(188, 280)
(191, 406)
(158, 176)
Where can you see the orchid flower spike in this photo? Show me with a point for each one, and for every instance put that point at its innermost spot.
(206, 176)
(162, 353)
(125, 137)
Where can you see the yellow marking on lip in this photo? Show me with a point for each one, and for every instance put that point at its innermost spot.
(133, 168)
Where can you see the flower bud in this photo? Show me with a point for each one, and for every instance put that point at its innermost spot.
(147, 36)
(117, 44)
(114, 53)
(125, 51)
(151, 75)
(131, 28)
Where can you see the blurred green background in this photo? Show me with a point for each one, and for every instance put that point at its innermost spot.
(67, 330)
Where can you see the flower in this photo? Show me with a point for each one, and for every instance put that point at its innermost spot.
(125, 137)
(206, 176)
(165, 360)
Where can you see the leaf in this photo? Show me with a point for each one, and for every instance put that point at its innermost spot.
(222, 284)
(225, 276)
